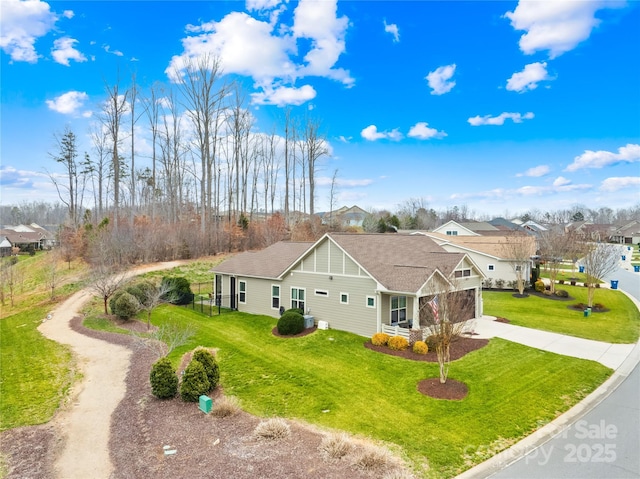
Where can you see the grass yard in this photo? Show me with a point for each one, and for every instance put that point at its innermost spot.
(35, 371)
(329, 379)
(621, 324)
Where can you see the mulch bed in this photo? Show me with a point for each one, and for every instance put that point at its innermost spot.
(305, 332)
(458, 349)
(452, 390)
(551, 296)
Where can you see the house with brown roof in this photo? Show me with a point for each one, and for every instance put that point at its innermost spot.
(360, 283)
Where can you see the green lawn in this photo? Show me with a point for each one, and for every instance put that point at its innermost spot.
(35, 371)
(621, 324)
(329, 378)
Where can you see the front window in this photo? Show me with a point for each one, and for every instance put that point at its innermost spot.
(464, 272)
(242, 291)
(297, 298)
(275, 296)
(344, 298)
(371, 301)
(398, 309)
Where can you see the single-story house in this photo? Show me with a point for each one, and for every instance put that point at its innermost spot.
(360, 283)
(489, 253)
(5, 246)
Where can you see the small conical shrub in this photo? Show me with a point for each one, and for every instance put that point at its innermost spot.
(126, 306)
(164, 380)
(194, 382)
(210, 365)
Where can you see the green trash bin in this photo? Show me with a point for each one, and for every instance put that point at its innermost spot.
(205, 404)
(586, 313)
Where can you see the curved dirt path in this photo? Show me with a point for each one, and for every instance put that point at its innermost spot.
(84, 425)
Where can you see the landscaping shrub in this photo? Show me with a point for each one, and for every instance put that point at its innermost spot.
(398, 343)
(499, 283)
(513, 284)
(561, 293)
(335, 446)
(291, 322)
(226, 406)
(380, 339)
(178, 290)
(432, 342)
(209, 364)
(272, 429)
(295, 310)
(135, 291)
(164, 380)
(372, 458)
(420, 347)
(194, 382)
(539, 286)
(112, 300)
(487, 283)
(126, 306)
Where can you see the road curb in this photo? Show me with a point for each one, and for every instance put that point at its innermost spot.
(546, 433)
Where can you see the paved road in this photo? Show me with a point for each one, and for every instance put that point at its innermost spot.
(603, 443)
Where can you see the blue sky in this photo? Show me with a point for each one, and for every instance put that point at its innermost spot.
(499, 106)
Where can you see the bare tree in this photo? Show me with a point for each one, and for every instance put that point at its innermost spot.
(166, 338)
(555, 246)
(52, 272)
(332, 196)
(152, 297)
(315, 147)
(517, 249)
(112, 113)
(443, 315)
(600, 261)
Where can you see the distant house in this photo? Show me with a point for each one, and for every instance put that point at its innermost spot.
(5, 246)
(361, 283)
(29, 236)
(627, 233)
(346, 216)
(490, 253)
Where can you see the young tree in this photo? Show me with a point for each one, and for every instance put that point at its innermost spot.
(443, 314)
(151, 297)
(555, 246)
(600, 261)
(52, 272)
(332, 197)
(517, 249)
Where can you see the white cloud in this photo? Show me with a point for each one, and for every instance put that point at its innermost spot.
(21, 24)
(528, 78)
(422, 131)
(561, 181)
(282, 96)
(500, 119)
(557, 26)
(107, 48)
(599, 159)
(536, 171)
(68, 103)
(440, 79)
(274, 54)
(63, 51)
(345, 139)
(371, 133)
(501, 194)
(619, 183)
(392, 28)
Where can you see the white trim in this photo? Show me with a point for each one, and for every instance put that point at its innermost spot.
(341, 296)
(240, 292)
(304, 300)
(491, 267)
(367, 302)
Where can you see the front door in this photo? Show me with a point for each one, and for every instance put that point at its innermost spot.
(232, 292)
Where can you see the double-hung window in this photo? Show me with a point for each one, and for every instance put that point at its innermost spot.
(398, 309)
(297, 298)
(242, 291)
(275, 296)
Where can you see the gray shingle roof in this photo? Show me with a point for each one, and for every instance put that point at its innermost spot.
(398, 262)
(270, 262)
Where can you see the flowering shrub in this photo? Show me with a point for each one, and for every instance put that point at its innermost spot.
(420, 347)
(398, 343)
(380, 339)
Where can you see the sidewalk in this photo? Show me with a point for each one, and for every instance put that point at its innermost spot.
(611, 355)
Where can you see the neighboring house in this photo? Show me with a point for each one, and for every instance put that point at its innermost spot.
(488, 252)
(23, 236)
(345, 216)
(360, 283)
(627, 233)
(452, 228)
(5, 246)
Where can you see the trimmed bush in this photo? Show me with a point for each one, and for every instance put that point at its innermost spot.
(539, 286)
(432, 342)
(487, 283)
(398, 343)
(126, 306)
(420, 347)
(112, 300)
(210, 365)
(499, 283)
(194, 382)
(291, 322)
(178, 290)
(164, 380)
(561, 293)
(380, 339)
